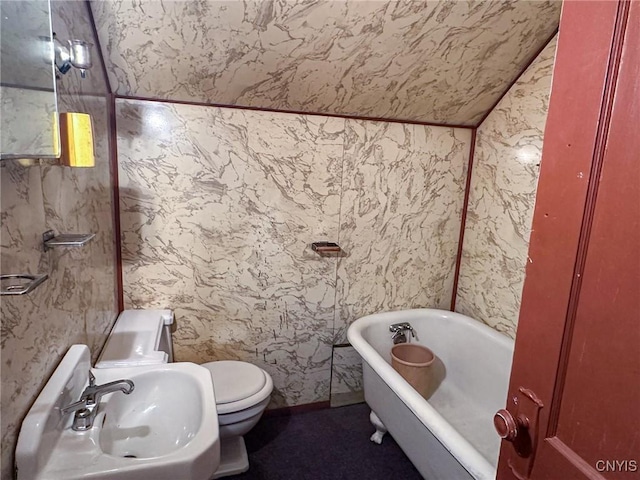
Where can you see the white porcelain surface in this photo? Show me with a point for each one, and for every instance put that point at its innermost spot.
(470, 381)
(135, 339)
(435, 61)
(236, 423)
(163, 414)
(167, 423)
(238, 385)
(502, 197)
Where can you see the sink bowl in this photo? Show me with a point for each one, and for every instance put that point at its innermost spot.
(166, 429)
(160, 416)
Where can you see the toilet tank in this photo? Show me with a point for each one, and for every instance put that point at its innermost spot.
(139, 337)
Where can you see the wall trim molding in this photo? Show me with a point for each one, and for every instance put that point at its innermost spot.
(294, 410)
(115, 198)
(294, 112)
(463, 219)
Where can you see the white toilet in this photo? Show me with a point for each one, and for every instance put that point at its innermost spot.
(242, 390)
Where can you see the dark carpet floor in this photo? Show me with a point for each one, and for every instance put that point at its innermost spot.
(331, 444)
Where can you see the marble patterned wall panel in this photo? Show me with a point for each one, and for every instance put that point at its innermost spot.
(346, 376)
(79, 200)
(21, 198)
(502, 198)
(77, 304)
(218, 210)
(434, 61)
(30, 135)
(403, 190)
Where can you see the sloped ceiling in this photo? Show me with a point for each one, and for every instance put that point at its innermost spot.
(432, 61)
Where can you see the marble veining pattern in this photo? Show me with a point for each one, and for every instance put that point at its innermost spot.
(403, 190)
(346, 376)
(218, 209)
(27, 135)
(77, 304)
(433, 61)
(502, 198)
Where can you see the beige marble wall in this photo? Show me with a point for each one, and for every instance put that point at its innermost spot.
(27, 135)
(502, 198)
(434, 61)
(403, 191)
(346, 376)
(77, 304)
(219, 208)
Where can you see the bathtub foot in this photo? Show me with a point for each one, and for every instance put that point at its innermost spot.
(380, 428)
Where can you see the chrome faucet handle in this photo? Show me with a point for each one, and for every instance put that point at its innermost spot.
(398, 327)
(413, 333)
(74, 407)
(86, 408)
(82, 403)
(399, 337)
(399, 331)
(93, 393)
(83, 418)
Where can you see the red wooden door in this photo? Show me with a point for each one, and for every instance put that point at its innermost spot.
(573, 409)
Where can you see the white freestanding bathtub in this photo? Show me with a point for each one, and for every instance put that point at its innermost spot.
(450, 435)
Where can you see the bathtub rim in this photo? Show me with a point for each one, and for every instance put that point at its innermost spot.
(465, 453)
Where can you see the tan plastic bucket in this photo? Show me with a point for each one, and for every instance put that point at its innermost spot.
(413, 362)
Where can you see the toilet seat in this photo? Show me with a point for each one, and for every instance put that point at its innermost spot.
(238, 385)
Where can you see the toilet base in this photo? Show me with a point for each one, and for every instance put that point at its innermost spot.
(233, 457)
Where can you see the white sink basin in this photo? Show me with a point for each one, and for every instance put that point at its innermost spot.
(160, 416)
(166, 429)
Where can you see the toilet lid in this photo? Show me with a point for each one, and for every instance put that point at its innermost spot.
(233, 380)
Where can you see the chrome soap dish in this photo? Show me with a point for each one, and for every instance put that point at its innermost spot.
(20, 283)
(51, 240)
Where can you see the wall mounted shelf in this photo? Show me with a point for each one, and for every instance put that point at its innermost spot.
(20, 283)
(51, 240)
(327, 249)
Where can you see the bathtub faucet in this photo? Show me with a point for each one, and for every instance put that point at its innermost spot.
(399, 331)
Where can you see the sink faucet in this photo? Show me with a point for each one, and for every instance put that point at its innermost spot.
(399, 331)
(86, 408)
